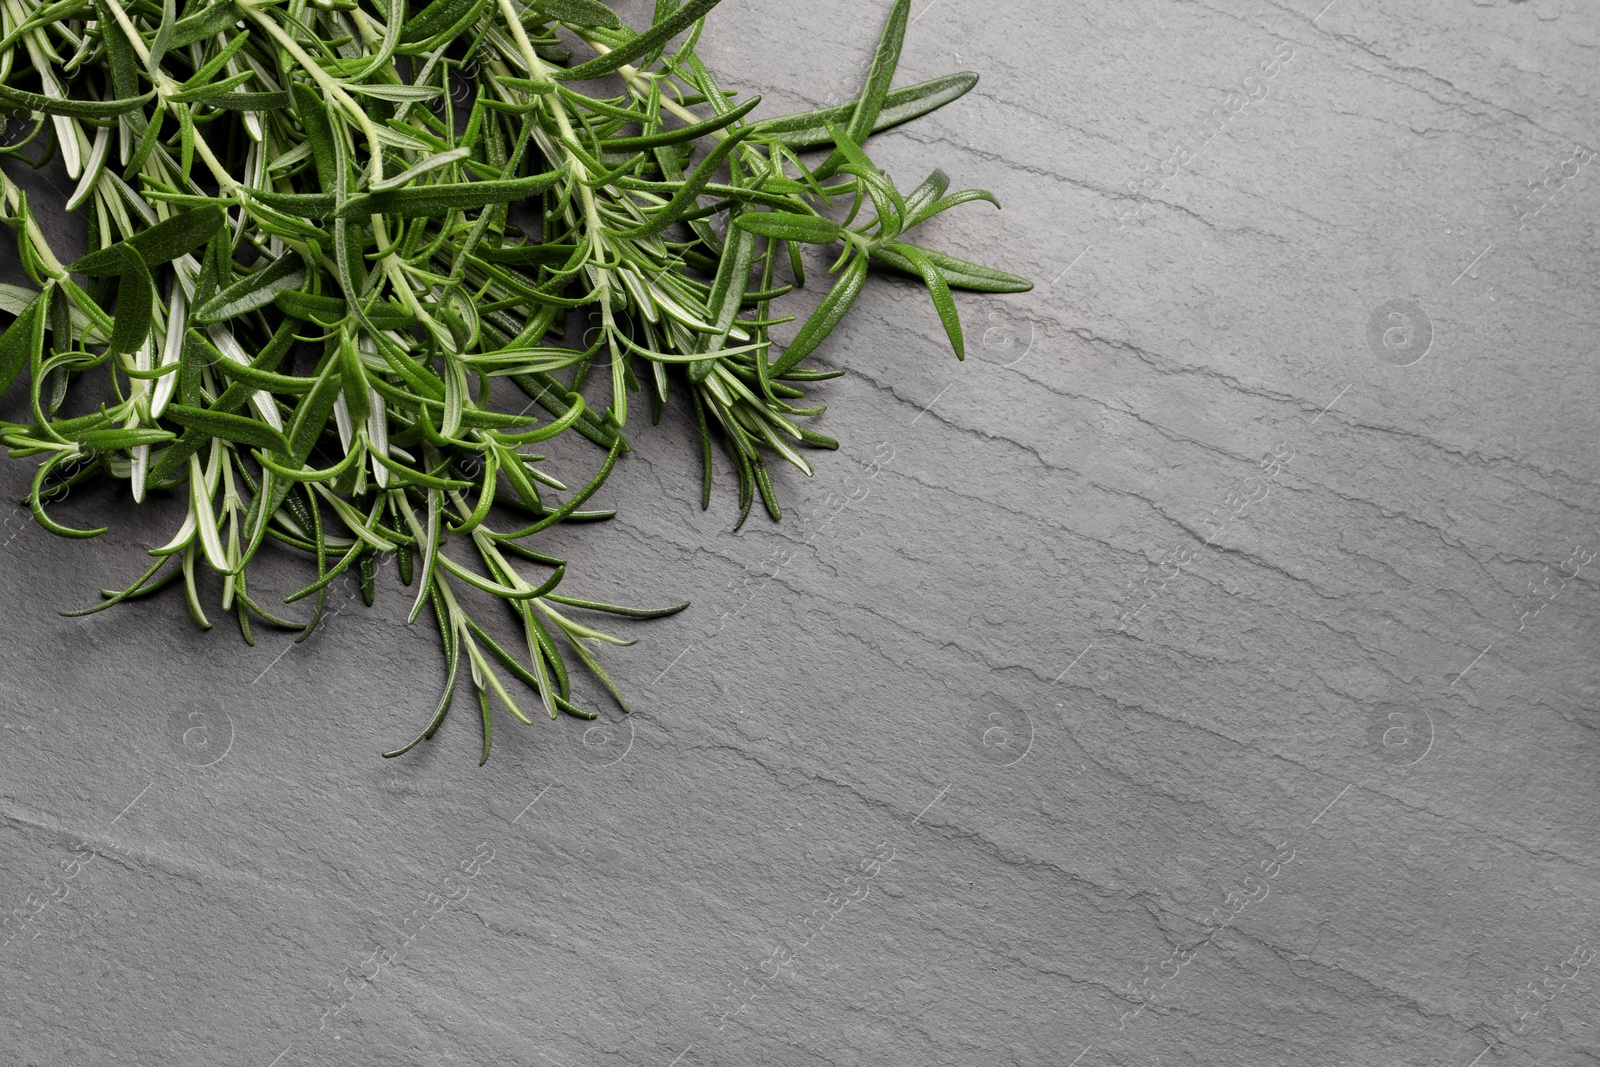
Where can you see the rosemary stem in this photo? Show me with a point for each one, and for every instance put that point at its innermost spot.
(558, 112)
(322, 78)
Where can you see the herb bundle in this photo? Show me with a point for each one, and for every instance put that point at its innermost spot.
(320, 229)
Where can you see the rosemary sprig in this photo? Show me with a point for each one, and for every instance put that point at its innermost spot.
(305, 276)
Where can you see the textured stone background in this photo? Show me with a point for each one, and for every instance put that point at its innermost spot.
(1066, 731)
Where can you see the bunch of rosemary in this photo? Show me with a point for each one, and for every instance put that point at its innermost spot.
(305, 276)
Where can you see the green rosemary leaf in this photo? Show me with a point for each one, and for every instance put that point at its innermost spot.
(790, 226)
(313, 412)
(939, 289)
(17, 341)
(255, 290)
(577, 13)
(146, 140)
(92, 170)
(122, 69)
(164, 33)
(83, 109)
(727, 294)
(958, 273)
(439, 17)
(827, 315)
(809, 129)
(116, 440)
(210, 91)
(14, 299)
(186, 139)
(329, 311)
(617, 609)
(353, 380)
(208, 22)
(433, 200)
(682, 133)
(918, 199)
(309, 205)
(318, 132)
(396, 94)
(250, 375)
(876, 89)
(140, 586)
(165, 241)
(210, 68)
(237, 428)
(657, 35)
(685, 199)
(966, 196)
(769, 496)
(135, 292)
(432, 163)
(235, 101)
(447, 637)
(36, 502)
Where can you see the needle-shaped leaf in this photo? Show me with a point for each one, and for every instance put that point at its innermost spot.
(790, 226)
(682, 134)
(237, 101)
(122, 69)
(580, 13)
(417, 170)
(931, 189)
(656, 36)
(434, 200)
(209, 69)
(939, 289)
(685, 200)
(809, 129)
(18, 340)
(36, 502)
(208, 22)
(958, 273)
(146, 143)
(928, 211)
(165, 241)
(313, 115)
(237, 428)
(439, 17)
(875, 91)
(254, 290)
(117, 440)
(727, 294)
(82, 109)
(164, 33)
(92, 169)
(827, 316)
(211, 90)
(135, 292)
(398, 94)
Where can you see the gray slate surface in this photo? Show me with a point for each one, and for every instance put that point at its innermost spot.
(1011, 810)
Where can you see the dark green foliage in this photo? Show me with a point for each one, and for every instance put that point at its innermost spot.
(304, 276)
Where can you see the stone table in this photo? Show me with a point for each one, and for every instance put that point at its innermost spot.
(1200, 673)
